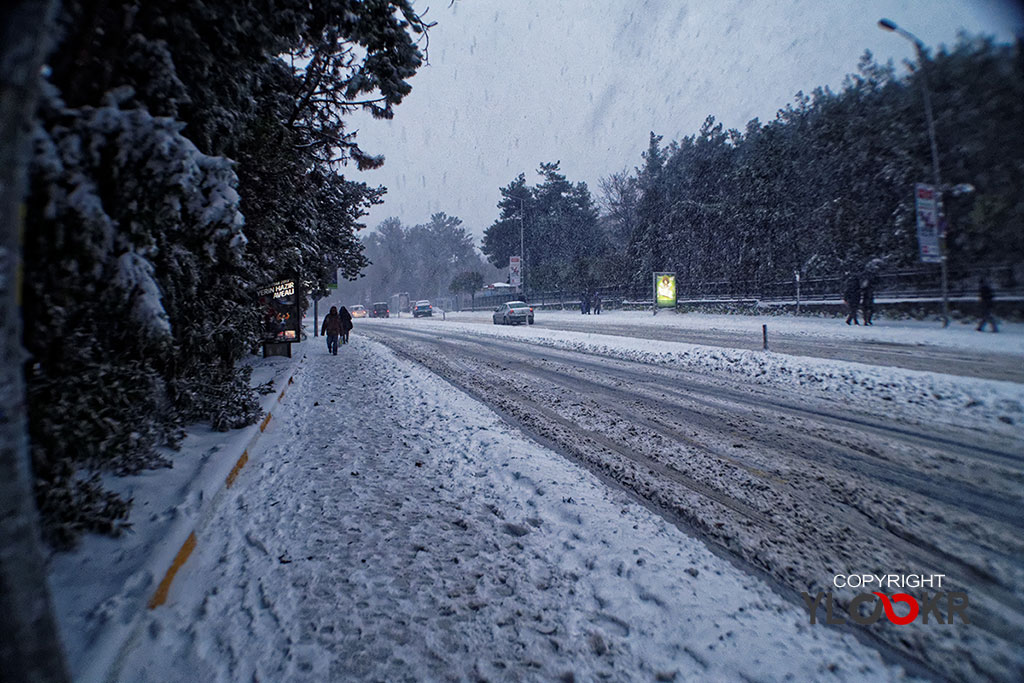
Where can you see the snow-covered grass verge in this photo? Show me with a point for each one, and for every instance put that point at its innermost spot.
(101, 588)
(989, 405)
(958, 335)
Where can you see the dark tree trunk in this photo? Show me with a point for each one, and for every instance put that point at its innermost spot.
(30, 648)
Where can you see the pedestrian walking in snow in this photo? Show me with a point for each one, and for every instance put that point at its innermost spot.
(985, 298)
(597, 304)
(851, 297)
(346, 324)
(867, 298)
(332, 327)
(584, 303)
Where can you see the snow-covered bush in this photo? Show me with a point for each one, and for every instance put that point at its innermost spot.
(135, 236)
(161, 125)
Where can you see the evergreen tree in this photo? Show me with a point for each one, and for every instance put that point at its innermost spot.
(560, 230)
(166, 128)
(828, 185)
(467, 282)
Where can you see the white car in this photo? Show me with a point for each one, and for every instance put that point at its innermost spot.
(512, 313)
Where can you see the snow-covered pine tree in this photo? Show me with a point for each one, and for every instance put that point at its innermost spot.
(165, 123)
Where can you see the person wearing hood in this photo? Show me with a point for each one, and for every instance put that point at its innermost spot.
(867, 298)
(333, 329)
(346, 324)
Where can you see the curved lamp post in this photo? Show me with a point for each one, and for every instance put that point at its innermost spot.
(919, 46)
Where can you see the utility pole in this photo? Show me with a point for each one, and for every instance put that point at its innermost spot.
(796, 274)
(30, 648)
(919, 46)
(522, 250)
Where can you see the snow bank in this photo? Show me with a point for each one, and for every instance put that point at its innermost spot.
(100, 589)
(913, 395)
(959, 335)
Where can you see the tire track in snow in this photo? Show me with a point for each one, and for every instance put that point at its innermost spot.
(499, 373)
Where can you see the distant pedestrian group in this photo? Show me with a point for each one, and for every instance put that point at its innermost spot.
(337, 325)
(859, 293)
(590, 302)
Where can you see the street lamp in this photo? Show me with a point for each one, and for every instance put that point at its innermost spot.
(889, 25)
(522, 252)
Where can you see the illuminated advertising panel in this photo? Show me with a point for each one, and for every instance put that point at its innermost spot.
(281, 317)
(665, 290)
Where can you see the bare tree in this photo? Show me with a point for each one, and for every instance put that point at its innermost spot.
(618, 200)
(30, 649)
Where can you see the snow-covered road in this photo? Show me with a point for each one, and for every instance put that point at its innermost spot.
(390, 528)
(801, 468)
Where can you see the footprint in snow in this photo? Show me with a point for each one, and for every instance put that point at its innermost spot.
(517, 530)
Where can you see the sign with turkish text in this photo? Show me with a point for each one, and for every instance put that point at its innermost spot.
(282, 316)
(926, 204)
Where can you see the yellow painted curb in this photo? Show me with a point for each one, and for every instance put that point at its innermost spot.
(236, 469)
(160, 597)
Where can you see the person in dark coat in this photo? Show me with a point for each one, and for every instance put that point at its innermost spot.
(851, 297)
(346, 324)
(597, 304)
(867, 298)
(985, 297)
(332, 327)
(585, 303)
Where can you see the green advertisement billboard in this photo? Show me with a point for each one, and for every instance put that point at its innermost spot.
(665, 290)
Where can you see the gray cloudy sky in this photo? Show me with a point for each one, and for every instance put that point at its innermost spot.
(512, 83)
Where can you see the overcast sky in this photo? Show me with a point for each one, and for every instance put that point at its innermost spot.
(512, 83)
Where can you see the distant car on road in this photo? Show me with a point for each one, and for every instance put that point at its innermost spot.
(513, 312)
(380, 310)
(358, 311)
(422, 308)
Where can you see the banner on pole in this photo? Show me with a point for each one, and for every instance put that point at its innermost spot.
(665, 290)
(926, 203)
(332, 280)
(515, 271)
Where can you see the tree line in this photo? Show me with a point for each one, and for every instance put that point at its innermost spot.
(428, 261)
(184, 154)
(824, 188)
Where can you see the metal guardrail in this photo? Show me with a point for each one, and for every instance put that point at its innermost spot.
(921, 283)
